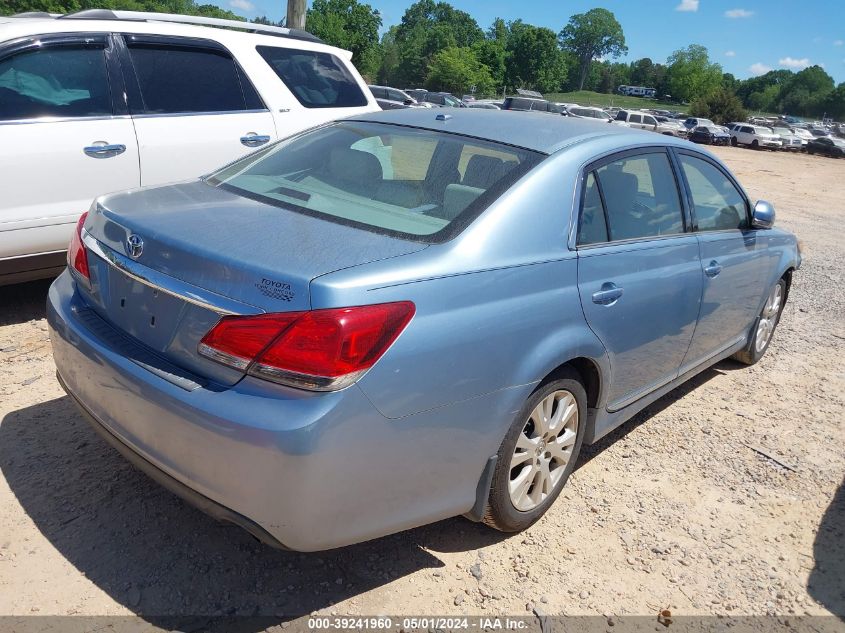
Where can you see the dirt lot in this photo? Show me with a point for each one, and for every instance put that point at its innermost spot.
(674, 509)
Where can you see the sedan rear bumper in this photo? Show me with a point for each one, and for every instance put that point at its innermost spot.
(301, 470)
(209, 506)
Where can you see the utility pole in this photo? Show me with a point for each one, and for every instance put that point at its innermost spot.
(296, 14)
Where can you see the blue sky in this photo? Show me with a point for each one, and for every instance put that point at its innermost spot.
(747, 37)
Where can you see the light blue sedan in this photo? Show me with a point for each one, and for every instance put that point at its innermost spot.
(410, 315)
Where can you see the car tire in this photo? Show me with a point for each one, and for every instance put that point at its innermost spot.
(519, 492)
(734, 142)
(755, 144)
(764, 325)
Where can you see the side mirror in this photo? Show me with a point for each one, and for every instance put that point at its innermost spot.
(764, 215)
(409, 102)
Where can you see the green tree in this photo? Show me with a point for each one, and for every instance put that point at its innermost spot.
(613, 75)
(351, 25)
(428, 27)
(833, 103)
(533, 58)
(762, 93)
(691, 75)
(593, 34)
(492, 51)
(722, 106)
(457, 70)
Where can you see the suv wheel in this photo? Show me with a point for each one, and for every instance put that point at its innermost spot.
(755, 144)
(734, 142)
(538, 454)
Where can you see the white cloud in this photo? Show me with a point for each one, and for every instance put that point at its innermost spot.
(730, 54)
(687, 5)
(243, 5)
(738, 13)
(759, 69)
(790, 62)
(838, 42)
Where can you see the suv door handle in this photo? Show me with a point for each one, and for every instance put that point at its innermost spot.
(713, 269)
(254, 140)
(608, 294)
(104, 150)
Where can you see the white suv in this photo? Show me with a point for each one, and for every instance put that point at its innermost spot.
(100, 101)
(754, 136)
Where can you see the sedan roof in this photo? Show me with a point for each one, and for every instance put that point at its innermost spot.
(532, 130)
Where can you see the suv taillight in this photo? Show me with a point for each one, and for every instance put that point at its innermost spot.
(77, 257)
(320, 350)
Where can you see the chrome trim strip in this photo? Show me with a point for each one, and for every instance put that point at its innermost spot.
(165, 283)
(67, 119)
(158, 115)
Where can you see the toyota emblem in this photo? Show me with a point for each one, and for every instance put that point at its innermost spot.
(135, 245)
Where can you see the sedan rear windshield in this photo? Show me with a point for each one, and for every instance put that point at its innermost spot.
(416, 184)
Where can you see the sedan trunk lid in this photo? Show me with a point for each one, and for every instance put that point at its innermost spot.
(173, 259)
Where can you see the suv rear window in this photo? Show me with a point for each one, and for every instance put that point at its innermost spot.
(317, 79)
(417, 184)
(189, 78)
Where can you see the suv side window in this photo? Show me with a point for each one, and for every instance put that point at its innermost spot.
(640, 197)
(717, 202)
(175, 79)
(635, 118)
(55, 81)
(648, 120)
(317, 79)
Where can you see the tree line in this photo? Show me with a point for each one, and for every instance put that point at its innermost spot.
(439, 47)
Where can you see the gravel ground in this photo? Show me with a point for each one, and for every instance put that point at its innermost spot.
(674, 509)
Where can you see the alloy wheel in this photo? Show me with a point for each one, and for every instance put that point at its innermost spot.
(769, 317)
(543, 449)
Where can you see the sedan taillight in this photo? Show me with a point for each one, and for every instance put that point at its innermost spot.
(77, 256)
(320, 350)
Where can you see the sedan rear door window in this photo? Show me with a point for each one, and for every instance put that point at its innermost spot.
(641, 197)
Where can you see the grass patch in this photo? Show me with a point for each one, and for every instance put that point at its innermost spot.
(589, 98)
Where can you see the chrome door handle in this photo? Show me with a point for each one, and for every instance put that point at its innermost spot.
(254, 140)
(713, 269)
(104, 150)
(608, 294)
